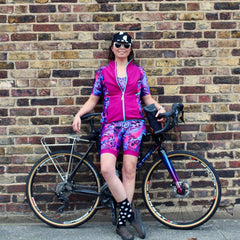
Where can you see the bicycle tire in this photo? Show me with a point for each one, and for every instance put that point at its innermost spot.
(44, 182)
(201, 197)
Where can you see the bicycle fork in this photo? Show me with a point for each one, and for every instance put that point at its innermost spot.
(171, 170)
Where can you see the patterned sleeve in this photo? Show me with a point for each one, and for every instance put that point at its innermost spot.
(145, 90)
(97, 86)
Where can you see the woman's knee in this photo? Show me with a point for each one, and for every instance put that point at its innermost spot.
(129, 172)
(107, 166)
(129, 167)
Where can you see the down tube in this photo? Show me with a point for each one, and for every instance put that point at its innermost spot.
(171, 170)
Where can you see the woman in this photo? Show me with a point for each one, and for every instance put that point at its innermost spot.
(123, 85)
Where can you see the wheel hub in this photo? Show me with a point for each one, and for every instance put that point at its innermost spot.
(185, 189)
(64, 189)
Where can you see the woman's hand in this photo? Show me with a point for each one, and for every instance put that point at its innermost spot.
(76, 124)
(87, 107)
(161, 110)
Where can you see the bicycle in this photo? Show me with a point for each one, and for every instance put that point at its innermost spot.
(180, 189)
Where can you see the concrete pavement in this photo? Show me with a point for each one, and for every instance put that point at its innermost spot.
(215, 229)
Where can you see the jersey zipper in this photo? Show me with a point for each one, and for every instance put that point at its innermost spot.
(122, 90)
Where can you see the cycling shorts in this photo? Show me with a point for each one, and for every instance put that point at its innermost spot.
(127, 134)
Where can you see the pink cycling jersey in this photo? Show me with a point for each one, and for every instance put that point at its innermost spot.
(121, 104)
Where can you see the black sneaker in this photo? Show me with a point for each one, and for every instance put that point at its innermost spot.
(138, 224)
(124, 233)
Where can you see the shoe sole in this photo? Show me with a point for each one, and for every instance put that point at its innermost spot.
(124, 238)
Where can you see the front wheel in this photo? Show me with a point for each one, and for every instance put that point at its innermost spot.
(54, 198)
(201, 191)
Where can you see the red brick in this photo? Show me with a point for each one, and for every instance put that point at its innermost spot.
(45, 111)
(128, 27)
(65, 110)
(22, 65)
(102, 54)
(24, 93)
(190, 71)
(61, 130)
(193, 7)
(220, 136)
(18, 159)
(7, 121)
(3, 74)
(4, 93)
(83, 45)
(236, 136)
(207, 128)
(190, 53)
(45, 101)
(86, 27)
(35, 140)
(225, 16)
(4, 37)
(42, 18)
(209, 34)
(42, 8)
(236, 52)
(234, 164)
(44, 92)
(16, 188)
(223, 25)
(24, 37)
(189, 35)
(212, 16)
(23, 112)
(65, 8)
(18, 169)
(46, 28)
(17, 208)
(234, 107)
(21, 140)
(204, 98)
(21, 19)
(3, 112)
(192, 89)
(191, 99)
(148, 35)
(4, 198)
(168, 44)
(2, 170)
(223, 117)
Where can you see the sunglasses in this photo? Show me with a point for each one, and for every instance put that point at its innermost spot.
(126, 45)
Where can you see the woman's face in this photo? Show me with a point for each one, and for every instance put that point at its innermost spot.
(121, 50)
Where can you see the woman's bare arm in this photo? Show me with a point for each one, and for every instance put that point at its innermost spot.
(86, 108)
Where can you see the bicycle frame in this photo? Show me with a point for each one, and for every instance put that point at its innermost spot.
(157, 147)
(163, 155)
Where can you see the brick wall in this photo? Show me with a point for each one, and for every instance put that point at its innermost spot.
(50, 50)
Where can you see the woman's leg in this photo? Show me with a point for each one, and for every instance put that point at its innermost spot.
(108, 169)
(128, 179)
(120, 190)
(129, 175)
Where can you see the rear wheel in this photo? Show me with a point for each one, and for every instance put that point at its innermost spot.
(201, 191)
(58, 202)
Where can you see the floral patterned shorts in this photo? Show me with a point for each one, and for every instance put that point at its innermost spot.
(127, 134)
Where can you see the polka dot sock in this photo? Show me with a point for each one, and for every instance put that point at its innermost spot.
(125, 213)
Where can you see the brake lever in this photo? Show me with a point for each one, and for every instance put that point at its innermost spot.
(182, 117)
